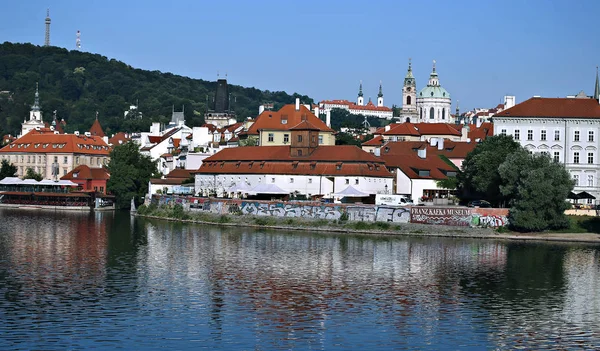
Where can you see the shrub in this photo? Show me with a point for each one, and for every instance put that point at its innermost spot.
(383, 225)
(362, 225)
(224, 219)
(344, 217)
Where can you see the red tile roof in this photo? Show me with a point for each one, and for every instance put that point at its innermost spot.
(353, 106)
(403, 155)
(304, 125)
(43, 142)
(179, 173)
(325, 160)
(376, 141)
(96, 129)
(554, 107)
(272, 120)
(119, 138)
(418, 129)
(451, 149)
(85, 172)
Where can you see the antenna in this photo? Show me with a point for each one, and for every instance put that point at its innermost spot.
(47, 21)
(366, 123)
(78, 41)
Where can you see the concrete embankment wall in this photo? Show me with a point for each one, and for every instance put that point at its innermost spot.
(457, 216)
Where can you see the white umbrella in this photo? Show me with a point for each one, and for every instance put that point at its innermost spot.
(350, 191)
(266, 189)
(10, 181)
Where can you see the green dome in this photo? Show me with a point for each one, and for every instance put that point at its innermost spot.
(434, 91)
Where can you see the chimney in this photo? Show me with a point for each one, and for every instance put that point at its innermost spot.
(297, 104)
(479, 121)
(422, 153)
(432, 141)
(328, 118)
(387, 128)
(76, 132)
(261, 109)
(317, 111)
(509, 101)
(464, 132)
(377, 151)
(440, 144)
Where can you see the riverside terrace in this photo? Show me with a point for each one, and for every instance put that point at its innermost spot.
(63, 194)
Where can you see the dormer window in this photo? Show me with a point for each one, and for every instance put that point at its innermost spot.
(76, 174)
(338, 166)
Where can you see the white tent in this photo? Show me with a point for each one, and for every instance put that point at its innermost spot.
(10, 181)
(350, 191)
(66, 183)
(47, 182)
(30, 182)
(239, 188)
(267, 189)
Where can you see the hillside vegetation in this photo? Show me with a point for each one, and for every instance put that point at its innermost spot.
(77, 84)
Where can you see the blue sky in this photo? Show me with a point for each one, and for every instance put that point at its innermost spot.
(484, 49)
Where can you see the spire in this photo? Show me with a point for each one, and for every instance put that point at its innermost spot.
(380, 91)
(433, 66)
(433, 77)
(597, 89)
(360, 93)
(36, 102)
(96, 115)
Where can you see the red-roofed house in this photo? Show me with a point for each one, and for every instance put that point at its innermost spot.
(302, 168)
(89, 179)
(566, 129)
(272, 128)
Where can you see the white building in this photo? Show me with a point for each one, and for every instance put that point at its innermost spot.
(35, 116)
(359, 108)
(566, 129)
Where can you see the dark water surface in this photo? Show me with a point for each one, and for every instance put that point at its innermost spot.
(105, 281)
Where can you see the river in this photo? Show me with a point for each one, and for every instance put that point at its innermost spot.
(108, 281)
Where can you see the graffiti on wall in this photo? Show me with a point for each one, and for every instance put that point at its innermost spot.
(392, 214)
(440, 215)
(281, 209)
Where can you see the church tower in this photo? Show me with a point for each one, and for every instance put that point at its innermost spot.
(361, 100)
(409, 96)
(35, 115)
(380, 96)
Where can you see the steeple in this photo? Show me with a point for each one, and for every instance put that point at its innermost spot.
(433, 77)
(380, 92)
(457, 114)
(380, 96)
(36, 102)
(361, 100)
(597, 89)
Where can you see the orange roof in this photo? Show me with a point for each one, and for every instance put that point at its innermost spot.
(179, 173)
(485, 130)
(451, 149)
(399, 129)
(376, 141)
(325, 160)
(154, 139)
(353, 106)
(96, 129)
(412, 164)
(437, 129)
(85, 172)
(304, 125)
(554, 107)
(286, 118)
(119, 138)
(42, 142)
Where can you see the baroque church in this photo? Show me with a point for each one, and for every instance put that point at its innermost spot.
(430, 105)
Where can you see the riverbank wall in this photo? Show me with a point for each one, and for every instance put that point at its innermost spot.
(449, 216)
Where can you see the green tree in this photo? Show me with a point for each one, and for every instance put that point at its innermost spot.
(346, 139)
(31, 174)
(7, 169)
(537, 189)
(480, 178)
(130, 173)
(449, 183)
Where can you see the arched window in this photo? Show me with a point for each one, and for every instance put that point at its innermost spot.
(431, 113)
(407, 119)
(443, 113)
(421, 113)
(408, 100)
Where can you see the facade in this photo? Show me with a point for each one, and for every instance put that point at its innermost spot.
(221, 114)
(409, 97)
(302, 168)
(359, 108)
(273, 128)
(433, 101)
(53, 155)
(566, 129)
(89, 178)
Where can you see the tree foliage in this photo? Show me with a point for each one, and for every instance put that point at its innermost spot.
(130, 173)
(343, 118)
(479, 178)
(7, 169)
(31, 174)
(537, 188)
(77, 84)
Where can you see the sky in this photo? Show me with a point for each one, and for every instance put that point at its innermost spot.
(484, 49)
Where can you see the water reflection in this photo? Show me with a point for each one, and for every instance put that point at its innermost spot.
(103, 280)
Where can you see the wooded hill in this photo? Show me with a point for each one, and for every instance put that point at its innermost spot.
(77, 84)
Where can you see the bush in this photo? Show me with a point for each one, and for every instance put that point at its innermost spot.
(224, 219)
(362, 225)
(178, 212)
(383, 225)
(344, 217)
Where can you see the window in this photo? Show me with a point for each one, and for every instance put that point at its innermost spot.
(530, 134)
(576, 157)
(39, 159)
(101, 189)
(576, 179)
(56, 159)
(65, 160)
(590, 180)
(347, 181)
(299, 152)
(320, 140)
(576, 136)
(517, 134)
(64, 171)
(590, 157)
(271, 137)
(77, 160)
(286, 138)
(503, 132)
(408, 100)
(356, 181)
(556, 156)
(291, 180)
(443, 113)
(309, 180)
(543, 135)
(431, 113)
(591, 135)
(272, 180)
(557, 135)
(299, 138)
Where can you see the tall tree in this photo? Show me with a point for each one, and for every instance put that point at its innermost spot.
(537, 189)
(479, 178)
(130, 173)
(31, 174)
(7, 169)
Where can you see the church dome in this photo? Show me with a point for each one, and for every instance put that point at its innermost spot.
(435, 91)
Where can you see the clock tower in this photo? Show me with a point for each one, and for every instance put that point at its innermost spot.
(409, 97)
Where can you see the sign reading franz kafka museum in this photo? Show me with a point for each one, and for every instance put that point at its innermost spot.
(440, 215)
